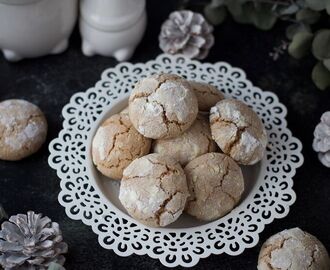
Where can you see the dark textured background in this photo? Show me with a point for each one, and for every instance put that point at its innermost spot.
(50, 82)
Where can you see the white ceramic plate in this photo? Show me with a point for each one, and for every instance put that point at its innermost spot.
(90, 197)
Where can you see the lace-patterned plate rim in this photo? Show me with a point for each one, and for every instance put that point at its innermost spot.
(225, 235)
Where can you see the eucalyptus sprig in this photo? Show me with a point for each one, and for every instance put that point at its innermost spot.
(305, 32)
(261, 13)
(308, 37)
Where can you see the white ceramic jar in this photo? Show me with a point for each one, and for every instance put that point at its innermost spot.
(33, 28)
(112, 27)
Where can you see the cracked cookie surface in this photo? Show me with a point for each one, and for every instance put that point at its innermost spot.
(215, 185)
(154, 190)
(293, 249)
(207, 95)
(195, 141)
(23, 129)
(116, 144)
(238, 131)
(162, 106)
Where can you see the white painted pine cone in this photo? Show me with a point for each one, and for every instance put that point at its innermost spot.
(321, 143)
(31, 242)
(188, 33)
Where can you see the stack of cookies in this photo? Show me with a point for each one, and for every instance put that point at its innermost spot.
(177, 147)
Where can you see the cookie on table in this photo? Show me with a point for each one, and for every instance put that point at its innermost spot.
(215, 183)
(154, 190)
(238, 131)
(195, 141)
(293, 249)
(207, 95)
(116, 144)
(23, 129)
(162, 106)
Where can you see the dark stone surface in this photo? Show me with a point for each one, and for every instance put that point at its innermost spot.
(50, 82)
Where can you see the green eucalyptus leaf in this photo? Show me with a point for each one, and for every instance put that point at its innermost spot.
(326, 63)
(260, 15)
(264, 18)
(215, 15)
(328, 8)
(244, 15)
(317, 5)
(295, 28)
(321, 44)
(321, 76)
(300, 45)
(55, 266)
(217, 3)
(287, 10)
(235, 7)
(307, 15)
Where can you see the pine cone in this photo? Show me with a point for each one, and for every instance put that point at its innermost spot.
(188, 33)
(321, 143)
(3, 214)
(31, 242)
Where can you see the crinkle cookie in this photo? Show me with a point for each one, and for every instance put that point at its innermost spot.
(162, 106)
(207, 95)
(195, 141)
(125, 111)
(238, 131)
(293, 249)
(154, 190)
(23, 129)
(215, 185)
(116, 144)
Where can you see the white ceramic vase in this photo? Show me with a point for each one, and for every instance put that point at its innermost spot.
(112, 27)
(33, 28)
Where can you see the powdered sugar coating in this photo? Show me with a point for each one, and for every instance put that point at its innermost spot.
(238, 131)
(23, 129)
(195, 141)
(116, 144)
(215, 184)
(162, 106)
(293, 249)
(154, 190)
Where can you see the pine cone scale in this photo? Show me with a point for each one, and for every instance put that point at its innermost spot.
(4, 245)
(14, 259)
